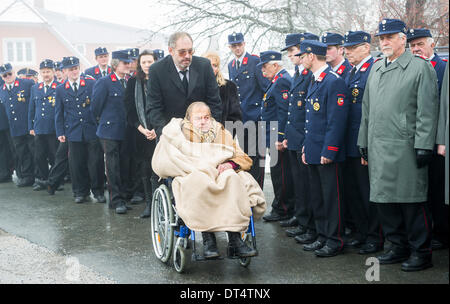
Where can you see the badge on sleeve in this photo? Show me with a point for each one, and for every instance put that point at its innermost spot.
(340, 101)
(285, 96)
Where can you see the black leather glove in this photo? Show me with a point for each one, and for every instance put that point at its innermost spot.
(423, 157)
(364, 154)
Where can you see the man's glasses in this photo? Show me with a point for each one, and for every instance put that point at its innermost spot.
(6, 74)
(184, 52)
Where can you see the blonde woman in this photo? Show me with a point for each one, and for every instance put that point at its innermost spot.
(231, 109)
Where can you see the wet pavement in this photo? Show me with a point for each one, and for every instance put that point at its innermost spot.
(119, 247)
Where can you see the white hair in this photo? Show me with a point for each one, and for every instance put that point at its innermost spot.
(279, 62)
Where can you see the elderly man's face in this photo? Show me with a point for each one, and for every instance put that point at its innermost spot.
(269, 70)
(422, 46)
(201, 118)
(392, 44)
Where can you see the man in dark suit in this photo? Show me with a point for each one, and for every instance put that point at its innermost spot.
(178, 80)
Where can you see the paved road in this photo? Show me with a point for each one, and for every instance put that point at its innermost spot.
(118, 247)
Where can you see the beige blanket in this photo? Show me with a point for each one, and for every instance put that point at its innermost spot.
(205, 200)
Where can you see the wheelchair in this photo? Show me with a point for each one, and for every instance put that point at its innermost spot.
(172, 238)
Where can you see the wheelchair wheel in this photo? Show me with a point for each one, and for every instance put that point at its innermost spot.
(162, 219)
(247, 238)
(179, 255)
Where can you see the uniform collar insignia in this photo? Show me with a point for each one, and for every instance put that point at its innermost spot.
(364, 67)
(54, 85)
(245, 60)
(341, 69)
(305, 71)
(113, 77)
(16, 83)
(97, 71)
(41, 85)
(82, 83)
(109, 70)
(433, 63)
(67, 85)
(321, 76)
(234, 62)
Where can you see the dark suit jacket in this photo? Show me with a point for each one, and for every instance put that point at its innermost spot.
(231, 109)
(166, 97)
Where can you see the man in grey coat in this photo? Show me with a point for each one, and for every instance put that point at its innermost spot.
(397, 137)
(442, 132)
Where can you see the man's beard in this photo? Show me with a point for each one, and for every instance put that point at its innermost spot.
(387, 51)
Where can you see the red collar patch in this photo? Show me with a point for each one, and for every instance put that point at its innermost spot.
(82, 83)
(364, 67)
(234, 62)
(433, 63)
(67, 85)
(54, 85)
(113, 77)
(341, 70)
(97, 71)
(305, 71)
(245, 60)
(321, 76)
(443, 59)
(109, 70)
(41, 85)
(16, 83)
(276, 77)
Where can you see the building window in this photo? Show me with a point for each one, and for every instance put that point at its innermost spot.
(20, 51)
(81, 48)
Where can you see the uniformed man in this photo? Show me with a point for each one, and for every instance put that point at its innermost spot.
(6, 158)
(421, 43)
(75, 124)
(251, 85)
(15, 96)
(324, 147)
(108, 107)
(397, 137)
(159, 53)
(133, 54)
(27, 73)
(302, 221)
(102, 68)
(274, 108)
(368, 233)
(335, 53)
(41, 121)
(59, 75)
(442, 132)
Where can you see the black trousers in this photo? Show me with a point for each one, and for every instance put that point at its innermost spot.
(407, 226)
(300, 184)
(61, 167)
(115, 165)
(143, 164)
(6, 155)
(325, 193)
(24, 147)
(45, 146)
(86, 170)
(129, 168)
(257, 169)
(436, 198)
(284, 200)
(363, 213)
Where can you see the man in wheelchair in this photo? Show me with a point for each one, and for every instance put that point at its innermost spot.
(212, 190)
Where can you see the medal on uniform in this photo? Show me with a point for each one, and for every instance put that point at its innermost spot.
(355, 92)
(83, 105)
(88, 101)
(265, 95)
(20, 96)
(316, 106)
(299, 103)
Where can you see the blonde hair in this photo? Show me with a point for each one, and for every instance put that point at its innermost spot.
(193, 105)
(214, 58)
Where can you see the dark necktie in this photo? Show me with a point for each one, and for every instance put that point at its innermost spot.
(352, 73)
(388, 63)
(122, 81)
(238, 64)
(185, 81)
(75, 89)
(297, 72)
(104, 73)
(313, 79)
(46, 89)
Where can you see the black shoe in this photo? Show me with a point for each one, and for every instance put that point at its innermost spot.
(209, 245)
(50, 189)
(306, 238)
(327, 251)
(137, 198)
(438, 245)
(100, 198)
(24, 182)
(121, 208)
(147, 212)
(60, 188)
(237, 248)
(391, 257)
(369, 248)
(415, 263)
(299, 230)
(293, 221)
(353, 243)
(275, 217)
(80, 199)
(314, 246)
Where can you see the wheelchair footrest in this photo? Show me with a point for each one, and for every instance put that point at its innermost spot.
(198, 258)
